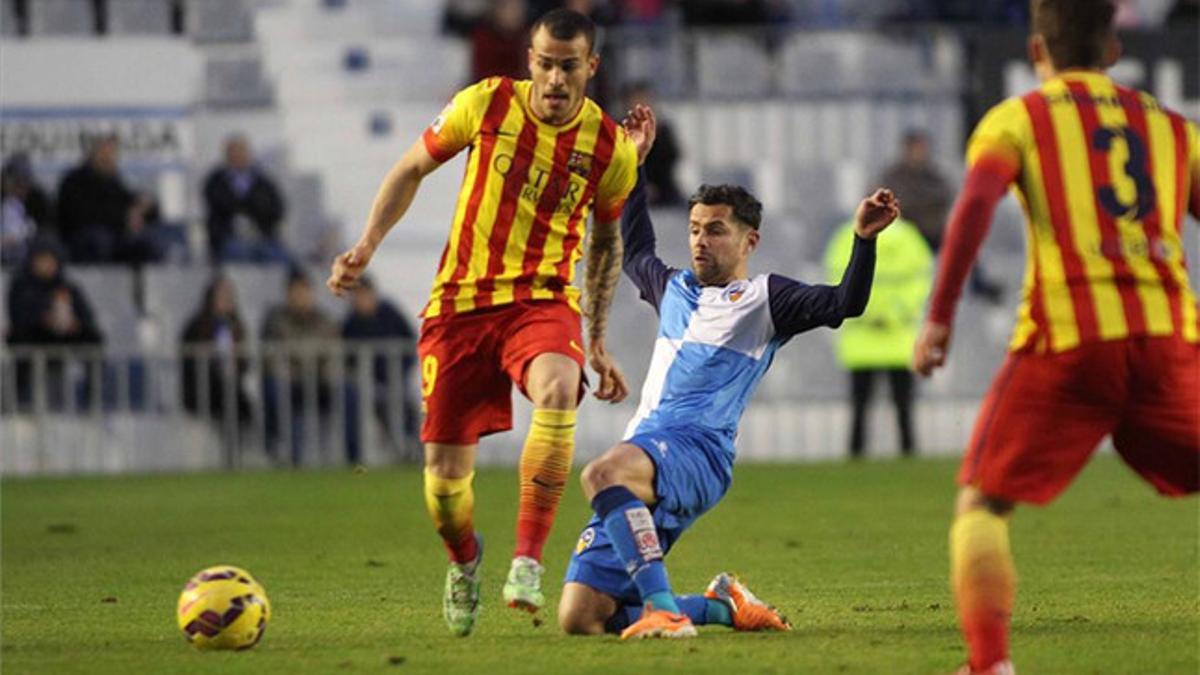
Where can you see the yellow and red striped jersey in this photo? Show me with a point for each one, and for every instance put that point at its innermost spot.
(1104, 174)
(525, 196)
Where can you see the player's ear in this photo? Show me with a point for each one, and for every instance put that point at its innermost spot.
(1036, 50)
(529, 52)
(752, 240)
(593, 64)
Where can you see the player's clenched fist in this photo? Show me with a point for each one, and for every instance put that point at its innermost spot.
(875, 213)
(931, 348)
(348, 268)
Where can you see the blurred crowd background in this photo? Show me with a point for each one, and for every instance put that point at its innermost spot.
(177, 174)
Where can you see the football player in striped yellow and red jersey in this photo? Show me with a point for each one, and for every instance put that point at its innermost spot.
(1106, 336)
(503, 309)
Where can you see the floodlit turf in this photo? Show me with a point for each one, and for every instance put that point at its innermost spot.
(855, 555)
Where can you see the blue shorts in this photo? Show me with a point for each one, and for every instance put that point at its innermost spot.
(692, 471)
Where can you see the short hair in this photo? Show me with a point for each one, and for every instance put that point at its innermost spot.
(746, 209)
(566, 24)
(1075, 31)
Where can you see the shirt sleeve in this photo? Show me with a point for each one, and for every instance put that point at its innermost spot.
(641, 264)
(618, 180)
(797, 307)
(458, 123)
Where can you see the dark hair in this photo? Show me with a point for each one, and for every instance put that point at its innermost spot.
(1075, 31)
(746, 209)
(566, 24)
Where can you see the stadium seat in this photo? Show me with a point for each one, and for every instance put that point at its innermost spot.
(210, 21)
(732, 65)
(172, 295)
(8, 18)
(260, 287)
(236, 81)
(61, 17)
(110, 290)
(138, 17)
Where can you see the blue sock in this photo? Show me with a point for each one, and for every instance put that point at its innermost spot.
(701, 610)
(630, 527)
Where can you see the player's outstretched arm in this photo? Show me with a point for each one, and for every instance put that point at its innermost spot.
(391, 203)
(641, 264)
(798, 307)
(601, 273)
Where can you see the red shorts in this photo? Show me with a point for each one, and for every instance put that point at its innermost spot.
(469, 363)
(1045, 415)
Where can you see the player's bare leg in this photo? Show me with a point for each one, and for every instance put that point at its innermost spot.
(552, 382)
(584, 610)
(983, 579)
(450, 500)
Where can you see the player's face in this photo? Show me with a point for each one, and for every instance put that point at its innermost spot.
(720, 245)
(560, 70)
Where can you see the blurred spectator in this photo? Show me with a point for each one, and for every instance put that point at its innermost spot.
(46, 309)
(925, 198)
(460, 17)
(301, 332)
(500, 45)
(25, 209)
(642, 12)
(245, 209)
(211, 340)
(879, 344)
(659, 167)
(372, 318)
(101, 219)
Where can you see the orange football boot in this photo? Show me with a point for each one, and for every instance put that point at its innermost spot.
(749, 613)
(659, 623)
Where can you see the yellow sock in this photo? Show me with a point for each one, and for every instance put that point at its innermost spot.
(984, 582)
(545, 467)
(451, 504)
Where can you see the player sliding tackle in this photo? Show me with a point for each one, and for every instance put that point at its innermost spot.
(503, 309)
(718, 331)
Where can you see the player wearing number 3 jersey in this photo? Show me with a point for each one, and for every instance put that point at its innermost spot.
(1106, 335)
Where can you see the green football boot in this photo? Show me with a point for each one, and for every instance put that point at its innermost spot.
(460, 601)
(523, 589)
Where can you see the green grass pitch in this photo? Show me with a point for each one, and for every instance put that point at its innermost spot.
(855, 555)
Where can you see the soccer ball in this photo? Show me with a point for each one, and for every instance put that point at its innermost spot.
(223, 607)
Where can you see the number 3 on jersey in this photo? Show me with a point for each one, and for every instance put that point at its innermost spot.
(1136, 169)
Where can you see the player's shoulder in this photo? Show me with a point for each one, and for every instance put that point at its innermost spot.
(483, 90)
(1009, 112)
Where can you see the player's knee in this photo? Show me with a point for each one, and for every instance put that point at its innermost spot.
(600, 473)
(576, 620)
(555, 392)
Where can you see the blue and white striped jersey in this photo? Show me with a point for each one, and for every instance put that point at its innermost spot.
(715, 342)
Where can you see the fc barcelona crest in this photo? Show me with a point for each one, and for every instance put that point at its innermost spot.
(580, 164)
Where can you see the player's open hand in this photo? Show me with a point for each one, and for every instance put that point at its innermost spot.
(642, 126)
(613, 387)
(875, 213)
(348, 268)
(931, 349)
